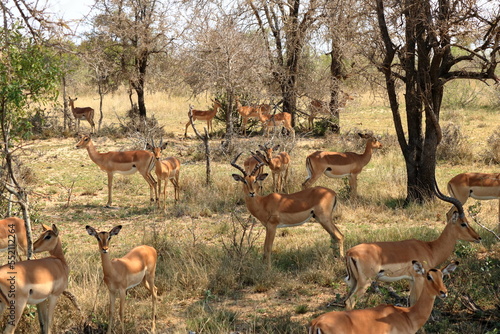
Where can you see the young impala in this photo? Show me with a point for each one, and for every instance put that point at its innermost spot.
(480, 186)
(166, 169)
(39, 282)
(80, 113)
(127, 162)
(365, 261)
(248, 112)
(338, 165)
(13, 236)
(121, 274)
(287, 210)
(204, 115)
(389, 319)
(277, 164)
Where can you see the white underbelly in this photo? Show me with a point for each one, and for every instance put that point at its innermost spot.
(294, 222)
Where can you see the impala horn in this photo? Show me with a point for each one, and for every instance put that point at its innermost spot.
(448, 199)
(233, 163)
(260, 164)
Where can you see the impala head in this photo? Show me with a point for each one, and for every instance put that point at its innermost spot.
(268, 151)
(458, 219)
(157, 149)
(84, 141)
(249, 180)
(217, 104)
(72, 100)
(48, 240)
(372, 141)
(103, 238)
(434, 278)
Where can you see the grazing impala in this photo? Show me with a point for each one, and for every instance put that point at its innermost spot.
(278, 164)
(280, 120)
(39, 281)
(365, 261)
(121, 274)
(338, 165)
(79, 113)
(389, 319)
(203, 115)
(166, 169)
(248, 112)
(287, 210)
(127, 162)
(480, 186)
(13, 236)
(321, 107)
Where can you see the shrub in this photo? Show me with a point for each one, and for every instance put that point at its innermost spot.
(454, 147)
(492, 152)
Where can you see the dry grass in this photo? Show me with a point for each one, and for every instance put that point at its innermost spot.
(210, 276)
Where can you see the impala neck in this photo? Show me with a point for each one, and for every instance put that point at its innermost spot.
(58, 253)
(255, 205)
(93, 154)
(107, 266)
(444, 245)
(367, 154)
(420, 312)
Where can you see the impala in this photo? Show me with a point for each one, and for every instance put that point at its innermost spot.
(480, 186)
(389, 319)
(127, 162)
(321, 107)
(365, 261)
(248, 112)
(39, 281)
(288, 210)
(277, 164)
(79, 113)
(121, 274)
(339, 165)
(167, 169)
(281, 120)
(13, 237)
(204, 115)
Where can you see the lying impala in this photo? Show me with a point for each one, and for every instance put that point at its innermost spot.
(287, 210)
(127, 162)
(13, 237)
(80, 113)
(204, 115)
(39, 281)
(389, 319)
(121, 274)
(317, 107)
(480, 186)
(277, 164)
(338, 165)
(248, 112)
(166, 169)
(365, 261)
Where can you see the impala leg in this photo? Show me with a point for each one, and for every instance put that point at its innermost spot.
(159, 192)
(42, 310)
(311, 178)
(51, 305)
(353, 184)
(285, 180)
(111, 311)
(152, 185)
(354, 294)
(187, 125)
(414, 292)
(165, 194)
(268, 243)
(122, 308)
(110, 190)
(175, 183)
(149, 282)
(334, 232)
(13, 319)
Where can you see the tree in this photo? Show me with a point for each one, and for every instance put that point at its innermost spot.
(139, 29)
(422, 45)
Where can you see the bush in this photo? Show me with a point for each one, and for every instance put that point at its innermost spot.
(454, 146)
(492, 152)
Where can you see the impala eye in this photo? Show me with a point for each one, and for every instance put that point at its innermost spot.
(464, 225)
(47, 237)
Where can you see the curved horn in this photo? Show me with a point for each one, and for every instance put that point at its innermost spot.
(260, 164)
(448, 199)
(233, 163)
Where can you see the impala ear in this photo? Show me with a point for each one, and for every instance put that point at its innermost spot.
(238, 177)
(417, 266)
(55, 230)
(91, 230)
(115, 230)
(275, 148)
(45, 227)
(149, 146)
(450, 268)
(262, 177)
(164, 146)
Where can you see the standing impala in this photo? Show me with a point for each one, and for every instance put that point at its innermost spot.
(321, 107)
(248, 112)
(13, 236)
(121, 274)
(39, 281)
(80, 113)
(365, 261)
(338, 165)
(288, 210)
(250, 163)
(480, 186)
(278, 165)
(280, 120)
(167, 169)
(389, 319)
(127, 162)
(204, 115)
